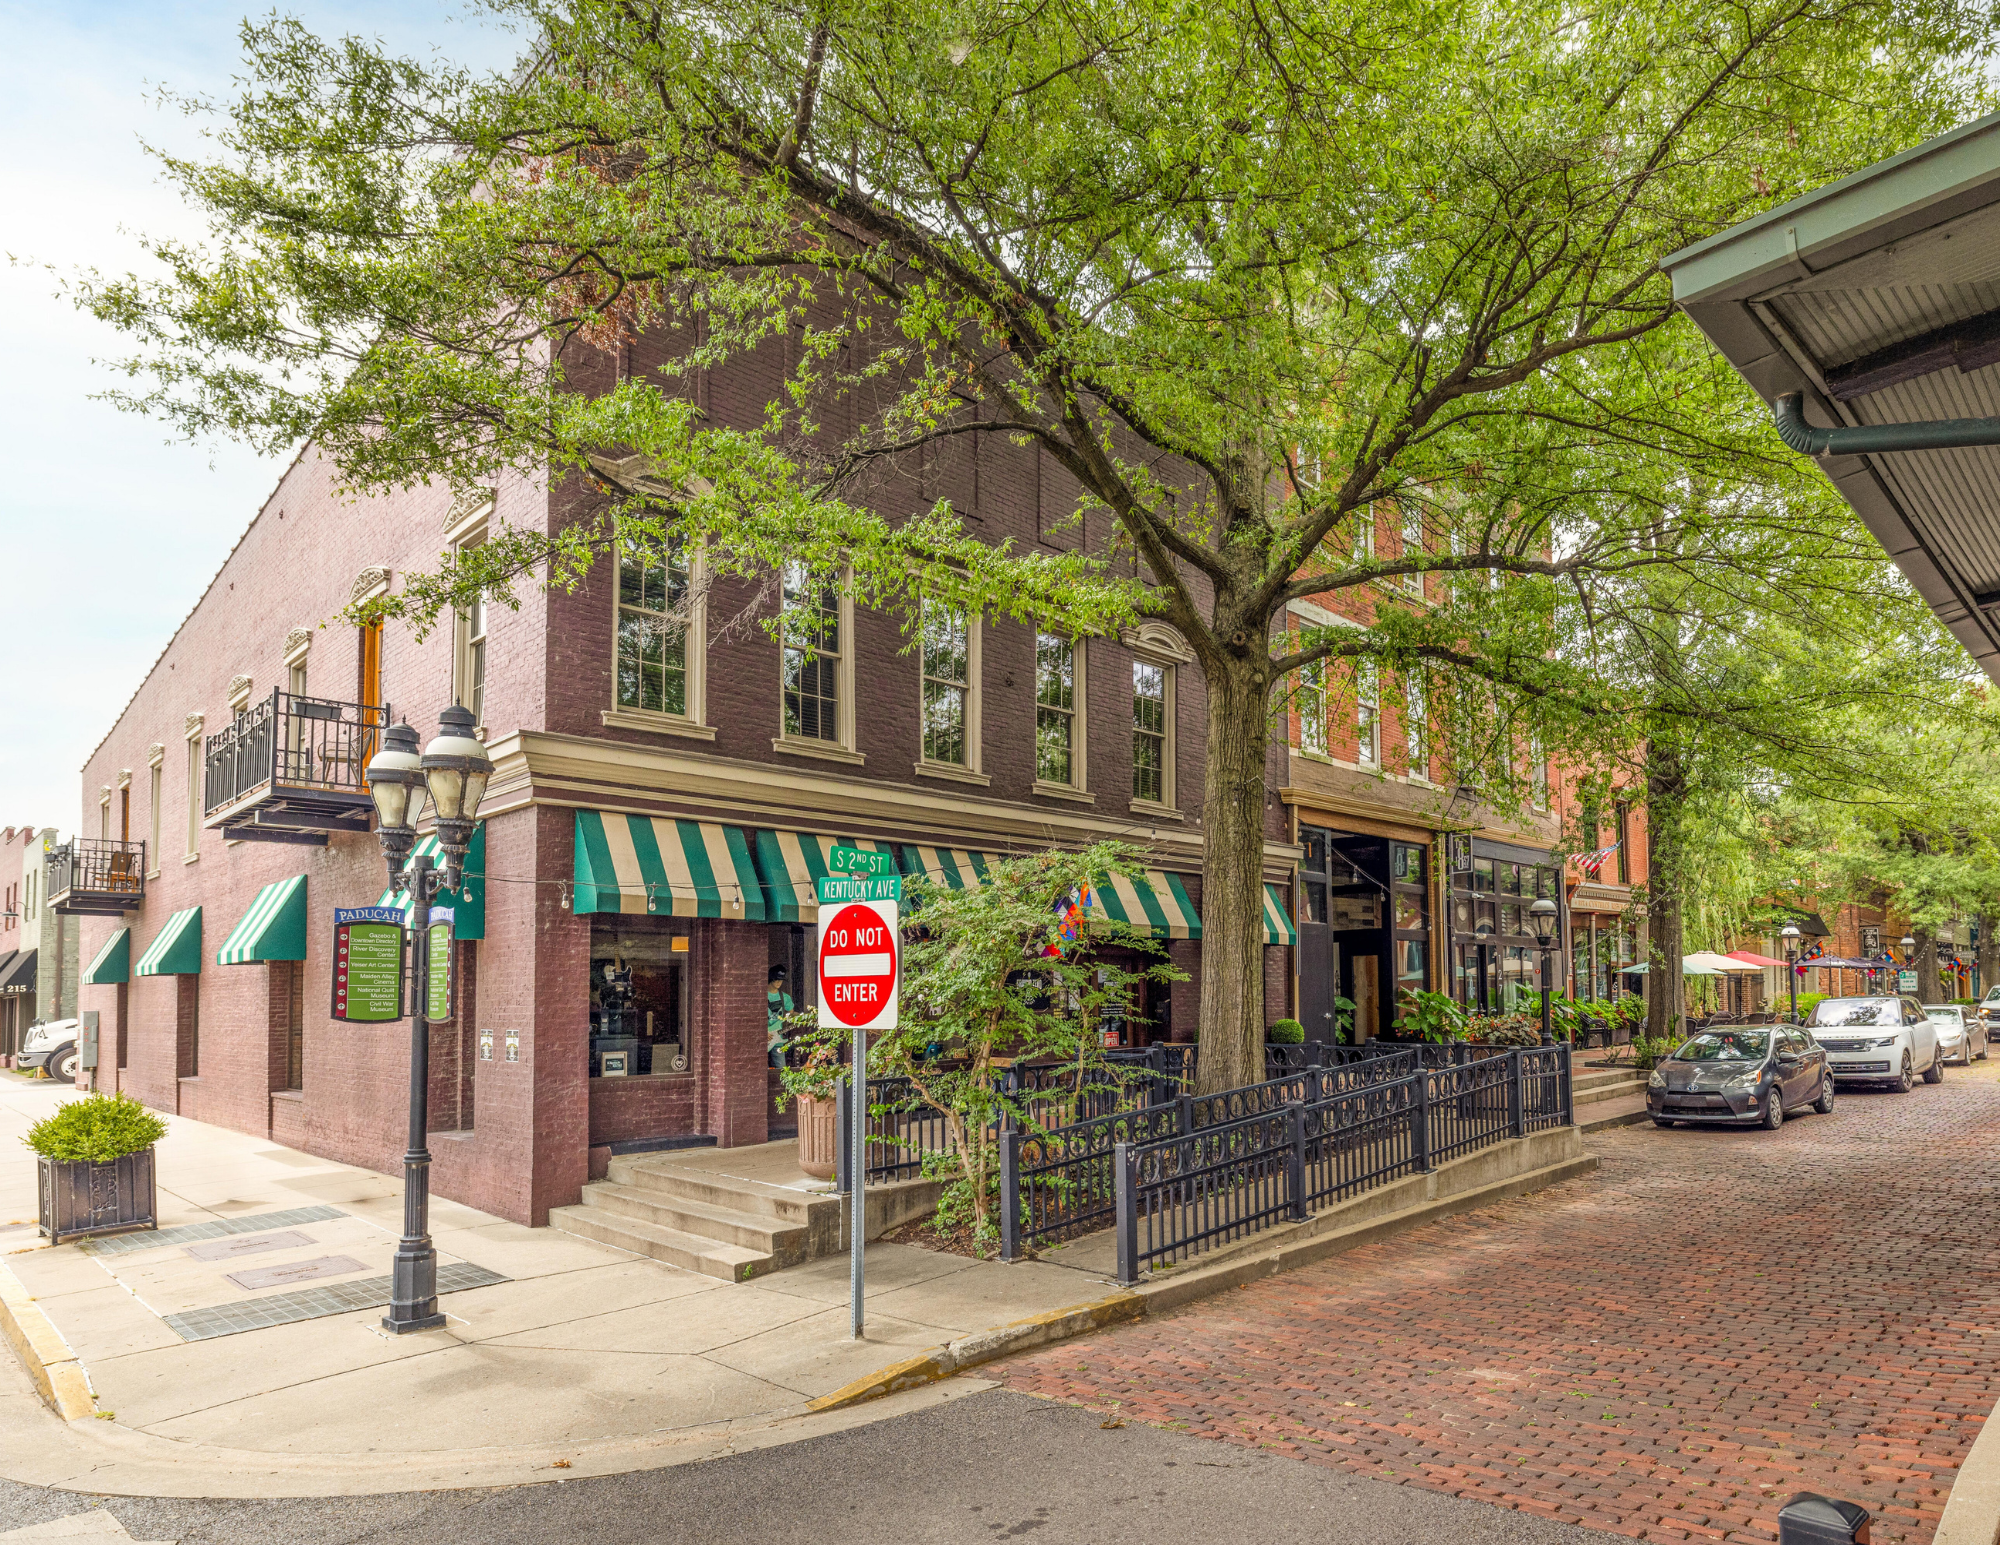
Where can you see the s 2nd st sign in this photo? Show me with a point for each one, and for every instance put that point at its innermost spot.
(860, 951)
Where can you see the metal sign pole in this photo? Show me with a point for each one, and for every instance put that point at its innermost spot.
(858, 1171)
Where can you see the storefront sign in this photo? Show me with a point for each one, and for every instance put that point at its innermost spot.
(845, 860)
(859, 951)
(437, 961)
(368, 955)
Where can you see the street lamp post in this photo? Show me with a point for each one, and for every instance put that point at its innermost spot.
(452, 771)
(1790, 934)
(1542, 918)
(1910, 955)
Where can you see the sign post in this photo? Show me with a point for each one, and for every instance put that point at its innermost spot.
(860, 967)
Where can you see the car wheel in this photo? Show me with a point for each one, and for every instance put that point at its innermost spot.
(1774, 1110)
(1934, 1074)
(1824, 1104)
(1906, 1081)
(62, 1065)
(1982, 1044)
(1661, 1121)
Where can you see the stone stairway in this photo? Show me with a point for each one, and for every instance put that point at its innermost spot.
(1607, 1097)
(732, 1226)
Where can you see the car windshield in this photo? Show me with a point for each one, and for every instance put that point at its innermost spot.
(1951, 1014)
(1725, 1046)
(1851, 1011)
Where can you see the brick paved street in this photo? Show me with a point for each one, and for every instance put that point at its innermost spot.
(1667, 1348)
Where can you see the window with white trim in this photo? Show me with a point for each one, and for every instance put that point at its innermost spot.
(194, 776)
(1152, 731)
(1538, 772)
(153, 781)
(1367, 714)
(652, 629)
(1058, 757)
(1413, 544)
(1312, 708)
(946, 646)
(814, 654)
(468, 665)
(1416, 725)
(1364, 534)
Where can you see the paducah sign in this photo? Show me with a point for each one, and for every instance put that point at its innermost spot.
(860, 951)
(368, 945)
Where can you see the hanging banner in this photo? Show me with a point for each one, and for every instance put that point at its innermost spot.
(438, 960)
(369, 946)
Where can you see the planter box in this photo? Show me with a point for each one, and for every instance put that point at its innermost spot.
(819, 1137)
(79, 1198)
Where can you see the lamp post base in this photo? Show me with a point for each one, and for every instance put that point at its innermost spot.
(413, 1290)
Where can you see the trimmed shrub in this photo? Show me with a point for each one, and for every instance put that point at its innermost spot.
(1286, 1032)
(96, 1130)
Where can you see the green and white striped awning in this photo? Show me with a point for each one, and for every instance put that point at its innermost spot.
(176, 948)
(468, 904)
(955, 868)
(791, 864)
(667, 867)
(112, 964)
(1278, 927)
(1155, 904)
(273, 929)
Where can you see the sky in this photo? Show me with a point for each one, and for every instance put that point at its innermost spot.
(111, 530)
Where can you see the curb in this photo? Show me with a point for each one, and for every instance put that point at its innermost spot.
(1184, 1288)
(1972, 1510)
(58, 1377)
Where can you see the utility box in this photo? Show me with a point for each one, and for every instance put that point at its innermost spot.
(86, 1042)
(1810, 1519)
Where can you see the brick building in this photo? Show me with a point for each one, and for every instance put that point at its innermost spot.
(1408, 881)
(20, 934)
(660, 804)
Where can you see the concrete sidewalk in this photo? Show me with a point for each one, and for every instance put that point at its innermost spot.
(561, 1356)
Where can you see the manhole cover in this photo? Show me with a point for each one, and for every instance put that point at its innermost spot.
(299, 1271)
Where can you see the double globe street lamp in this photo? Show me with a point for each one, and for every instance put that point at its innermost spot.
(1542, 918)
(452, 771)
(1791, 935)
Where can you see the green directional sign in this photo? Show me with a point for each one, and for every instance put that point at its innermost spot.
(367, 964)
(846, 860)
(834, 889)
(437, 960)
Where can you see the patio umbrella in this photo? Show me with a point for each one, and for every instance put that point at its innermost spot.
(1716, 964)
(1752, 958)
(1689, 967)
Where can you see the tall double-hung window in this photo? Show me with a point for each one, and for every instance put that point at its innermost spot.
(814, 646)
(949, 724)
(1367, 714)
(1058, 704)
(652, 629)
(1152, 731)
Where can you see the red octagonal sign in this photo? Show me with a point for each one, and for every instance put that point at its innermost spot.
(857, 964)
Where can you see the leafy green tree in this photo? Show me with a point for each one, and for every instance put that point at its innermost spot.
(1236, 273)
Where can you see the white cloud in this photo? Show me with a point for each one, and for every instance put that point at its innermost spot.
(109, 532)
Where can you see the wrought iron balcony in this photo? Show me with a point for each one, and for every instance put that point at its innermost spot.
(292, 769)
(92, 875)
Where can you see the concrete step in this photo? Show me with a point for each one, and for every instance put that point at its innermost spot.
(766, 1234)
(1604, 1093)
(790, 1207)
(731, 1263)
(1628, 1112)
(1598, 1078)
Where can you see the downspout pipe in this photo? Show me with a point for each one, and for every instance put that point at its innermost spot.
(1937, 434)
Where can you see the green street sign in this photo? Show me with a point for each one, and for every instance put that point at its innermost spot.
(368, 944)
(845, 860)
(834, 889)
(437, 959)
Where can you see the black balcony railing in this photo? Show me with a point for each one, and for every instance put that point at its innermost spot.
(97, 875)
(291, 768)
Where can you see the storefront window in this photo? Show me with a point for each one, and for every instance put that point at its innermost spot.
(638, 999)
(1412, 966)
(1482, 875)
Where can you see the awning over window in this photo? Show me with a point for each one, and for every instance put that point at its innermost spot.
(273, 929)
(176, 948)
(112, 964)
(670, 868)
(1155, 904)
(17, 973)
(791, 864)
(956, 868)
(1278, 927)
(469, 904)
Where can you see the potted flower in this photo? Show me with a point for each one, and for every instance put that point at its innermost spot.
(96, 1159)
(812, 1082)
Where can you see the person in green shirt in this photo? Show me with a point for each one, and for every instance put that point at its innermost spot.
(777, 1004)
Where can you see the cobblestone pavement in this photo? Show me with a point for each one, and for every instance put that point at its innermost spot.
(1666, 1349)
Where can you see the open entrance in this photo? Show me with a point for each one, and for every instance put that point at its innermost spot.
(1364, 931)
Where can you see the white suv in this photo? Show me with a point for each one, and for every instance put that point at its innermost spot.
(51, 1046)
(1878, 1040)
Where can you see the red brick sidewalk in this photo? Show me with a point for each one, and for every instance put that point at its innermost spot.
(1668, 1348)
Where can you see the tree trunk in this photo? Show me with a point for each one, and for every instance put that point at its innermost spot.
(1985, 955)
(1232, 899)
(1666, 789)
(1925, 956)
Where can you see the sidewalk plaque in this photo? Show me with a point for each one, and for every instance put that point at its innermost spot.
(859, 950)
(368, 945)
(437, 957)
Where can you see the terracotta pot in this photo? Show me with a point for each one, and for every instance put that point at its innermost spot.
(819, 1137)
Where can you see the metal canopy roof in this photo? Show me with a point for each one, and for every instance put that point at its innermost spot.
(1878, 298)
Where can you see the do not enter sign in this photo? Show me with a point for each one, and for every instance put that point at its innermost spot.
(858, 963)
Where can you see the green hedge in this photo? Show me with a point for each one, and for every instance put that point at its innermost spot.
(96, 1130)
(1286, 1032)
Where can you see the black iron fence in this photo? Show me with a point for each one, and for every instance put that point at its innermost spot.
(1182, 1192)
(289, 741)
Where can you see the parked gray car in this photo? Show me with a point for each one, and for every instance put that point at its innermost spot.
(1750, 1075)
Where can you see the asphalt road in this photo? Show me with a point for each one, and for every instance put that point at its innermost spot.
(991, 1466)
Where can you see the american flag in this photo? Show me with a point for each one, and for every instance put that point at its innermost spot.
(1592, 863)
